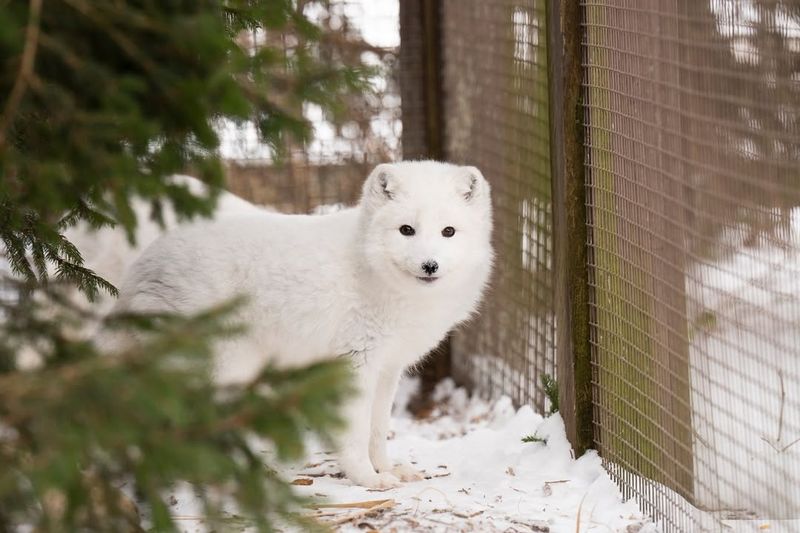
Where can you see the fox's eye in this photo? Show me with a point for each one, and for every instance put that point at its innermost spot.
(449, 231)
(407, 230)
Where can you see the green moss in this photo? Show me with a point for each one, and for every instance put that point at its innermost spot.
(627, 422)
(703, 323)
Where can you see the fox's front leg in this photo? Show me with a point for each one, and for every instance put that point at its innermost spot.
(354, 442)
(385, 392)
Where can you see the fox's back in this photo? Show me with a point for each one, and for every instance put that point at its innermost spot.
(282, 261)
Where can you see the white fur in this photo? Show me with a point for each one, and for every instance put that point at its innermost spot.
(344, 283)
(109, 254)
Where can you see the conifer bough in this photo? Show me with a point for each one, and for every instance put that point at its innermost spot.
(101, 102)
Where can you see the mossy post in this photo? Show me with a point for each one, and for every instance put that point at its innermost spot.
(570, 225)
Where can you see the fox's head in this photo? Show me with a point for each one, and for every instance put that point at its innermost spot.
(427, 225)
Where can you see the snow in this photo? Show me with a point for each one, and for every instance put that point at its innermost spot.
(481, 476)
(745, 374)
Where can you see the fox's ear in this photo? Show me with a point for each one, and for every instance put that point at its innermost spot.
(381, 185)
(472, 184)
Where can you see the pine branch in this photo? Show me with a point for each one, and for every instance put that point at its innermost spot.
(119, 38)
(81, 424)
(154, 420)
(550, 388)
(534, 438)
(25, 70)
(84, 212)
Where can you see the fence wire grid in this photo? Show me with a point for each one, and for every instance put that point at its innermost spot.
(694, 192)
(495, 95)
(690, 119)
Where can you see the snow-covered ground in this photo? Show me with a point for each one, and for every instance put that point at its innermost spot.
(481, 476)
(745, 371)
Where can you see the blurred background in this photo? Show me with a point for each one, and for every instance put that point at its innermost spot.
(330, 168)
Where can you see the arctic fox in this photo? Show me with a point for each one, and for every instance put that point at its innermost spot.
(381, 283)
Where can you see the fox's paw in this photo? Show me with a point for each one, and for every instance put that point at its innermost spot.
(383, 480)
(406, 472)
(402, 471)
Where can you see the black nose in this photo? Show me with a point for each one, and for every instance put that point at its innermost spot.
(430, 267)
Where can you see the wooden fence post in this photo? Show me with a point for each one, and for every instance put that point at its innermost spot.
(569, 219)
(421, 94)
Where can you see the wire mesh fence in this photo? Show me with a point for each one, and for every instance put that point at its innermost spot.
(693, 149)
(690, 118)
(496, 117)
(694, 188)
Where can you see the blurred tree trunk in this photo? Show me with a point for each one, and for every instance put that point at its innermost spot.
(420, 91)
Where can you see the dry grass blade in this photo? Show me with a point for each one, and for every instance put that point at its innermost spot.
(578, 518)
(367, 504)
(366, 508)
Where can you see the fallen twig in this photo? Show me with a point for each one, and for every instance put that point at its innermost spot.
(416, 497)
(578, 518)
(367, 504)
(367, 508)
(335, 475)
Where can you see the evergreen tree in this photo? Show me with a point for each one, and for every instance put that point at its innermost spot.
(101, 102)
